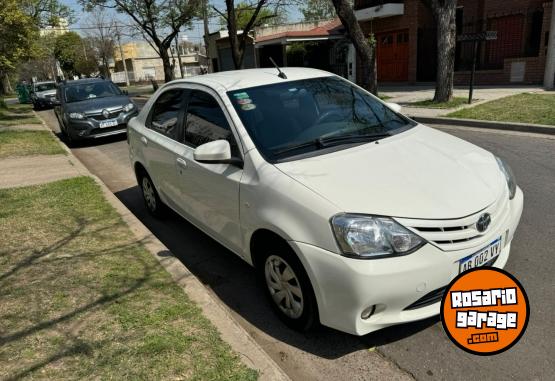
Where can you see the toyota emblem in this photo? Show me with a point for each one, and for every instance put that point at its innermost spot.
(106, 114)
(483, 222)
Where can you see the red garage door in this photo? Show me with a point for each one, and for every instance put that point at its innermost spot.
(393, 56)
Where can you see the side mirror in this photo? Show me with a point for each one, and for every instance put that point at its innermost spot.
(216, 152)
(394, 106)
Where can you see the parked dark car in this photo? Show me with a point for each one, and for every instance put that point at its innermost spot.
(43, 94)
(92, 108)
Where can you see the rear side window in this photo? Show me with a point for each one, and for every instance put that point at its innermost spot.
(206, 122)
(165, 117)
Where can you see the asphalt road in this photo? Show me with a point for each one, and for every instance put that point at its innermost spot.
(421, 349)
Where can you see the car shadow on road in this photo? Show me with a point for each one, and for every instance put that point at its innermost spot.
(233, 281)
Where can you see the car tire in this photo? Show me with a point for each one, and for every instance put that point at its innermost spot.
(288, 288)
(152, 201)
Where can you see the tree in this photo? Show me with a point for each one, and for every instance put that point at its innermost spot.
(364, 46)
(101, 31)
(159, 21)
(71, 51)
(47, 12)
(445, 12)
(244, 12)
(316, 10)
(239, 42)
(17, 37)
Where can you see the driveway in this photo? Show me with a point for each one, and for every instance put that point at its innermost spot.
(420, 350)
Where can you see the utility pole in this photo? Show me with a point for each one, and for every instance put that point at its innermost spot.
(121, 55)
(549, 79)
(206, 31)
(178, 54)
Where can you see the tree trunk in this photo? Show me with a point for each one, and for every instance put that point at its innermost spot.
(168, 68)
(236, 52)
(365, 50)
(445, 15)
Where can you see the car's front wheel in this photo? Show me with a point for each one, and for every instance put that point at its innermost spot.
(288, 288)
(150, 196)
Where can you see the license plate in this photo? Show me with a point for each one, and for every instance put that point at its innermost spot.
(482, 257)
(109, 123)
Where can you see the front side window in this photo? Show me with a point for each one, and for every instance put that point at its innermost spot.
(206, 122)
(85, 91)
(303, 117)
(166, 113)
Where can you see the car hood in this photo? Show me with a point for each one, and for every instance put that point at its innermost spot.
(47, 93)
(97, 104)
(421, 173)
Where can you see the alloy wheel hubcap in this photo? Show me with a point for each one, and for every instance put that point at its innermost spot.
(284, 286)
(148, 192)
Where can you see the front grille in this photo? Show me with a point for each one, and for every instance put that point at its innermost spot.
(428, 299)
(461, 233)
(112, 115)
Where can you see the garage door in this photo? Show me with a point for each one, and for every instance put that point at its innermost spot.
(393, 56)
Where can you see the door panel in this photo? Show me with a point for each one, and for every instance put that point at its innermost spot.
(210, 192)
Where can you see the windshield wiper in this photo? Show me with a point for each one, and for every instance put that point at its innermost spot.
(346, 139)
(321, 143)
(295, 147)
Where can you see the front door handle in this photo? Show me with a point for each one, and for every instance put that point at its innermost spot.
(144, 140)
(181, 163)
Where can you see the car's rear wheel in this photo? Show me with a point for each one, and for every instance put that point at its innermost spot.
(150, 196)
(288, 288)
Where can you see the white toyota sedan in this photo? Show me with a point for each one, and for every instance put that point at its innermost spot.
(352, 215)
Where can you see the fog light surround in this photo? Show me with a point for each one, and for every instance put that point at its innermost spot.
(368, 312)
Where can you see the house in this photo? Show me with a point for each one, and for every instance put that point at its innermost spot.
(219, 51)
(143, 62)
(311, 44)
(406, 39)
(320, 45)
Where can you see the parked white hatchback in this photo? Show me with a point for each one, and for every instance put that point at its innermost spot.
(353, 215)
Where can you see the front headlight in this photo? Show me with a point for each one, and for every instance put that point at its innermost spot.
(509, 176)
(77, 115)
(368, 237)
(128, 107)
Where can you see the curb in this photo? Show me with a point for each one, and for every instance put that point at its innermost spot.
(250, 352)
(520, 127)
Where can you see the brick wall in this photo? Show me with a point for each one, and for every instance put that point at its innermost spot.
(475, 12)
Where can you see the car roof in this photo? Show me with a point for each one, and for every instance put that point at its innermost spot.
(83, 81)
(43, 82)
(242, 79)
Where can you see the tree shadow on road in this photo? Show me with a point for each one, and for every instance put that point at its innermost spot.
(234, 282)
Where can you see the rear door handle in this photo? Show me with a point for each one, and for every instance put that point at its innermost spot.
(181, 163)
(144, 140)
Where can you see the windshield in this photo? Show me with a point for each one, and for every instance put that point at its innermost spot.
(45, 86)
(85, 91)
(299, 117)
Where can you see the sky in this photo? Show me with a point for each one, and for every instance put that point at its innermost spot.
(194, 35)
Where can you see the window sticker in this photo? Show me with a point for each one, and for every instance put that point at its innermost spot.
(248, 107)
(244, 101)
(241, 95)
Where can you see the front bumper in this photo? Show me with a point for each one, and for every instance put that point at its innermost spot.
(345, 287)
(89, 128)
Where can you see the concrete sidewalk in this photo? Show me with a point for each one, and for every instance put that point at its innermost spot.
(409, 94)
